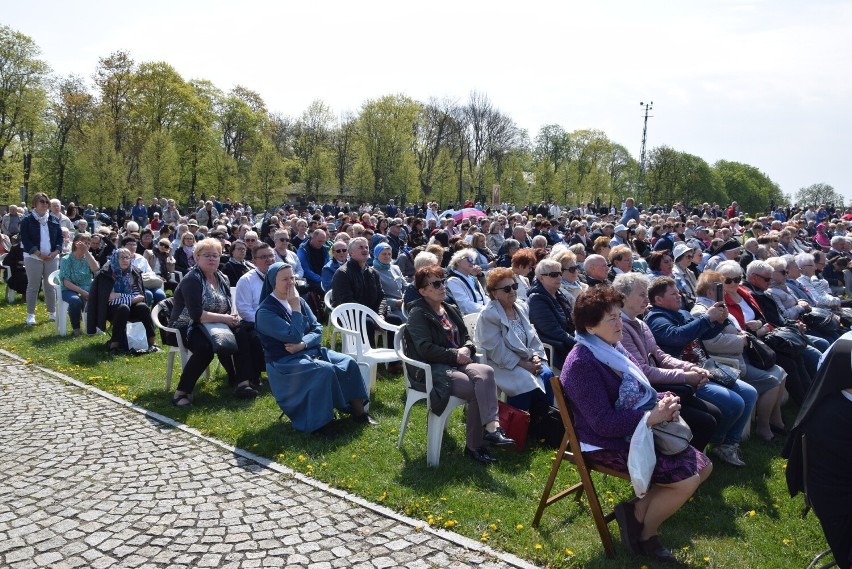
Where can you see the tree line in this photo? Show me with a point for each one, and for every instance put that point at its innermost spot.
(140, 129)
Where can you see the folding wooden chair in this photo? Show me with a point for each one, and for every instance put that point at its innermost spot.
(570, 450)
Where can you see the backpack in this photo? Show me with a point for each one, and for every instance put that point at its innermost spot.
(166, 306)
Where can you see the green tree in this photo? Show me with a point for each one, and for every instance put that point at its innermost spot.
(819, 194)
(386, 134)
(69, 109)
(749, 187)
(22, 98)
(159, 165)
(432, 129)
(101, 167)
(551, 152)
(311, 145)
(343, 142)
(267, 175)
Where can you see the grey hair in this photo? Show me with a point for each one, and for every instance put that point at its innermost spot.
(837, 239)
(789, 260)
(730, 269)
(355, 241)
(547, 266)
(777, 263)
(758, 268)
(425, 259)
(803, 259)
(458, 256)
(539, 239)
(626, 282)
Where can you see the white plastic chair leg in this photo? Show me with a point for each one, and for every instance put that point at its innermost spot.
(170, 366)
(435, 426)
(410, 400)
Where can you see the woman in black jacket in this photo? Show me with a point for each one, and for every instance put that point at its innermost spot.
(550, 310)
(436, 335)
(41, 239)
(117, 296)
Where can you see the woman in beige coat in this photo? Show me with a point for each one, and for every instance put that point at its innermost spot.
(511, 345)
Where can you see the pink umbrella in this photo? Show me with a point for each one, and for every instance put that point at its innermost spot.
(465, 213)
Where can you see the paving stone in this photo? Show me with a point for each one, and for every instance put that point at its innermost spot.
(89, 483)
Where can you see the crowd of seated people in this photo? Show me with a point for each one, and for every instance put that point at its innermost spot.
(691, 287)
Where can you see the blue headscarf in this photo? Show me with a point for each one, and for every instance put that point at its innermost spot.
(376, 251)
(269, 280)
(123, 281)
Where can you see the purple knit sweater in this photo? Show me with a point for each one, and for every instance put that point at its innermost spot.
(592, 389)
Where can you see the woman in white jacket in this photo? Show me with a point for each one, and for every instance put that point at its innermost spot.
(511, 345)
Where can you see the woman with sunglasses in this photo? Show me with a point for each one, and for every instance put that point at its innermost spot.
(463, 285)
(512, 347)
(162, 262)
(185, 253)
(436, 335)
(41, 240)
(550, 310)
(571, 285)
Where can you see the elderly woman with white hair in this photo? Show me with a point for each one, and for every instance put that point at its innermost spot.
(462, 284)
(550, 310)
(818, 288)
(571, 285)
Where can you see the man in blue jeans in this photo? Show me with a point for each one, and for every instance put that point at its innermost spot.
(674, 329)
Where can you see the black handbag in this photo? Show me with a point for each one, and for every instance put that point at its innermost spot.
(220, 337)
(787, 340)
(821, 320)
(758, 353)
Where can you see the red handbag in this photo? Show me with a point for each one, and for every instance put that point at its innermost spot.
(515, 423)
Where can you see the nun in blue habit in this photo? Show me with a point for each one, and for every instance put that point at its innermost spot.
(308, 381)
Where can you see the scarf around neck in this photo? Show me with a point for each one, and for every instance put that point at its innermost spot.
(635, 391)
(42, 219)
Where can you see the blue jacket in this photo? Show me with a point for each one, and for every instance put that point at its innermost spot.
(551, 318)
(31, 234)
(328, 271)
(673, 330)
(311, 276)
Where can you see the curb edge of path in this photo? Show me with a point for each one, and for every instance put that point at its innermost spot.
(453, 537)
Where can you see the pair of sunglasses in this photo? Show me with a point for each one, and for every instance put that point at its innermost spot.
(737, 280)
(508, 288)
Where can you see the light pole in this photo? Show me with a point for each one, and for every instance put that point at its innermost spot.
(641, 184)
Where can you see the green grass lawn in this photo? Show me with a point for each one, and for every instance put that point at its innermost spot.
(739, 518)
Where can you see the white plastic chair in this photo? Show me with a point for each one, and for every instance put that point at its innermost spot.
(435, 424)
(7, 275)
(179, 349)
(326, 299)
(350, 319)
(470, 321)
(61, 305)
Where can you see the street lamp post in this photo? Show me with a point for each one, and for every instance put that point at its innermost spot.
(641, 184)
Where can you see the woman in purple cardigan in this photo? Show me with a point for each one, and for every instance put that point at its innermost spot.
(664, 371)
(609, 395)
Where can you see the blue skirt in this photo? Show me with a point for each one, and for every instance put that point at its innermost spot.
(310, 385)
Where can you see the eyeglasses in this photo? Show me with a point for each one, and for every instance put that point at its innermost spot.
(508, 288)
(209, 256)
(783, 272)
(340, 250)
(125, 258)
(439, 283)
(469, 260)
(44, 202)
(737, 280)
(571, 269)
(163, 245)
(249, 240)
(552, 275)
(765, 279)
(261, 257)
(283, 240)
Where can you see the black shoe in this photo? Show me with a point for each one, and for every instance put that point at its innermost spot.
(498, 437)
(327, 431)
(629, 526)
(480, 455)
(365, 418)
(654, 548)
(245, 392)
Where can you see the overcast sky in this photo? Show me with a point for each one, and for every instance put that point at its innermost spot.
(767, 83)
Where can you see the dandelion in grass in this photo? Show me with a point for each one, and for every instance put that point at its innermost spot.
(752, 513)
(538, 546)
(519, 526)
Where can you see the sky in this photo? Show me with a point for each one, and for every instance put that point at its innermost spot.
(767, 83)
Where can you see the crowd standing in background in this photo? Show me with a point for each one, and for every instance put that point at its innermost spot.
(664, 293)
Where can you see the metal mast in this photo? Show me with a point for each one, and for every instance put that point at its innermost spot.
(648, 107)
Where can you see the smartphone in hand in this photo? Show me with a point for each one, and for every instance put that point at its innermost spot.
(720, 292)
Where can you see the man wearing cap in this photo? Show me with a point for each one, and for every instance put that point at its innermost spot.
(620, 236)
(396, 237)
(728, 251)
(683, 276)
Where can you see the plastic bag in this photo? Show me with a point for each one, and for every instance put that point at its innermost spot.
(642, 459)
(137, 339)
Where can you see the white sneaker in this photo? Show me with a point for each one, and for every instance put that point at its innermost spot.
(31, 319)
(51, 317)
